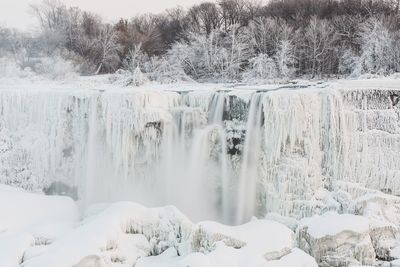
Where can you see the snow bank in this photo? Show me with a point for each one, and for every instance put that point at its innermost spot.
(43, 231)
(224, 256)
(121, 233)
(296, 258)
(29, 220)
(33, 213)
(337, 239)
(332, 224)
(255, 236)
(13, 247)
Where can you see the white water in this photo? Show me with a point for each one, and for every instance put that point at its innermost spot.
(248, 179)
(159, 147)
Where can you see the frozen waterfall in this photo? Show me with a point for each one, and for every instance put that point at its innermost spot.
(225, 154)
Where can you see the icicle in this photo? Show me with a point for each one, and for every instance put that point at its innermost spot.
(154, 146)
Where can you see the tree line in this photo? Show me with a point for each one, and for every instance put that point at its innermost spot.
(226, 40)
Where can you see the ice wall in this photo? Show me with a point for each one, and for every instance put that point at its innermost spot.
(216, 154)
(313, 139)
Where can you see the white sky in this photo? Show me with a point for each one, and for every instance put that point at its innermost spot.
(14, 13)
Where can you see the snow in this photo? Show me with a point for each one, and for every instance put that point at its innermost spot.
(30, 219)
(123, 231)
(291, 223)
(125, 234)
(184, 144)
(332, 223)
(261, 237)
(335, 239)
(25, 212)
(224, 256)
(12, 248)
(395, 253)
(296, 258)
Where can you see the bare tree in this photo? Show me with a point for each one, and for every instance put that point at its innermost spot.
(144, 30)
(233, 12)
(319, 40)
(204, 18)
(260, 34)
(50, 13)
(107, 49)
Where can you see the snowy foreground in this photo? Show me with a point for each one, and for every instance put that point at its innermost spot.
(46, 231)
(39, 231)
(309, 174)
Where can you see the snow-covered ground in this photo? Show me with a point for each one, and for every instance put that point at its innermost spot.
(324, 184)
(40, 231)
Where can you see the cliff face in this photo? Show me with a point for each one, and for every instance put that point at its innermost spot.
(222, 154)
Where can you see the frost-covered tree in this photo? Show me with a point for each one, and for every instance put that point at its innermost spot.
(53, 19)
(164, 70)
(135, 59)
(215, 41)
(107, 50)
(238, 52)
(396, 51)
(51, 14)
(139, 78)
(349, 64)
(376, 42)
(215, 56)
(285, 59)
(262, 68)
(319, 45)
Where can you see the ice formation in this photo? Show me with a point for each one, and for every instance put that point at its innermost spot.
(314, 152)
(216, 153)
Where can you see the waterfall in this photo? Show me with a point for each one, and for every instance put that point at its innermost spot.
(93, 156)
(194, 160)
(217, 108)
(215, 154)
(248, 178)
(216, 115)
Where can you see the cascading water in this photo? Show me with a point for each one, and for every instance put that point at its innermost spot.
(221, 155)
(195, 161)
(248, 177)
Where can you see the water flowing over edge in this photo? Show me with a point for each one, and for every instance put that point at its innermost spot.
(222, 155)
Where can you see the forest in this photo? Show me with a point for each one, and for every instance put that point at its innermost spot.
(222, 41)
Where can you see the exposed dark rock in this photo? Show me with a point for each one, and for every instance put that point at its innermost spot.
(62, 189)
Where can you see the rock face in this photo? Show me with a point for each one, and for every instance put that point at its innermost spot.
(337, 240)
(62, 189)
(382, 212)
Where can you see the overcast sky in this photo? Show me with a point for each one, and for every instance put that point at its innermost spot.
(14, 13)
